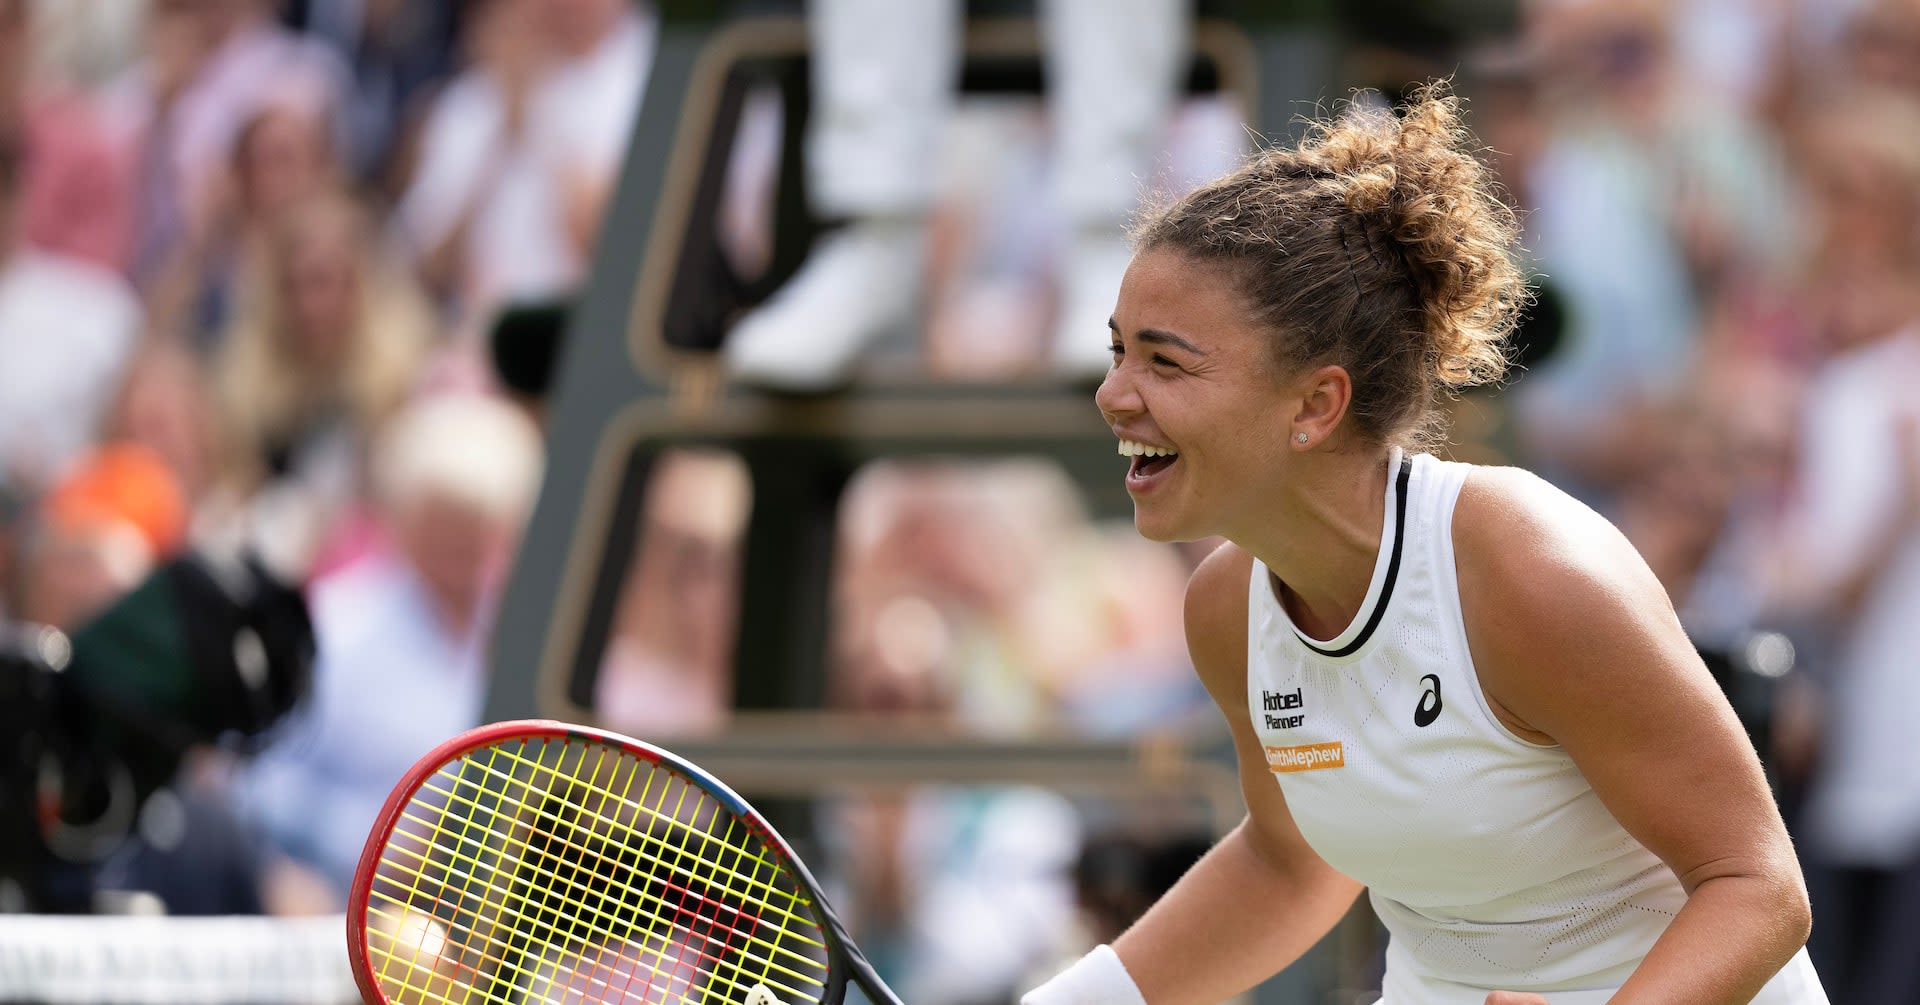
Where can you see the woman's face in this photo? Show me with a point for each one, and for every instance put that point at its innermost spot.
(1191, 375)
(322, 289)
(1867, 212)
(282, 157)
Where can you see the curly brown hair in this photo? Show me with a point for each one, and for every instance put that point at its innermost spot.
(1378, 245)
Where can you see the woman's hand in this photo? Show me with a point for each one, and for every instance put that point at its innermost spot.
(1515, 998)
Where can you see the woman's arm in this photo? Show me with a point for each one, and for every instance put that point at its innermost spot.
(1577, 644)
(1261, 897)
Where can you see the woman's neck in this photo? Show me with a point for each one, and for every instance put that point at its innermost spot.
(1323, 539)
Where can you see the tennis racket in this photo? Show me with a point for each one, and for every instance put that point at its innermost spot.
(536, 861)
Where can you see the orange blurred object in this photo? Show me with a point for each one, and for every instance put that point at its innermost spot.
(122, 483)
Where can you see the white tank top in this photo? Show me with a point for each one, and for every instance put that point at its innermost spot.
(1490, 859)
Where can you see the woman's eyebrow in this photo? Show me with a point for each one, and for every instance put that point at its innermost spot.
(1155, 336)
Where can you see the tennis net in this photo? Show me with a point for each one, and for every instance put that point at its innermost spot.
(92, 960)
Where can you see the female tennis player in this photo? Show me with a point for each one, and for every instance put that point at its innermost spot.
(1451, 685)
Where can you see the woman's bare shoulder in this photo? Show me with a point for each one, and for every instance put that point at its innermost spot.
(1555, 599)
(1520, 528)
(1216, 618)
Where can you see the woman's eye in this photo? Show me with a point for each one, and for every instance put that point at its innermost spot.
(1162, 361)
(1116, 350)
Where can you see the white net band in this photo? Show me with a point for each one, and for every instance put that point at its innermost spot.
(61, 960)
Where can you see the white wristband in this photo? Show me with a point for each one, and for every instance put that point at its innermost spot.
(1098, 978)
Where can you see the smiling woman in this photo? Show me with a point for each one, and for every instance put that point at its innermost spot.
(1451, 685)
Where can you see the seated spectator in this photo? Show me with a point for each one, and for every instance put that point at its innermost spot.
(76, 196)
(1850, 553)
(282, 155)
(454, 477)
(101, 529)
(398, 52)
(163, 405)
(208, 67)
(66, 327)
(327, 339)
(669, 667)
(517, 156)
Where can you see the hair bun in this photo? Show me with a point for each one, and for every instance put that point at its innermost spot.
(1414, 185)
(1377, 245)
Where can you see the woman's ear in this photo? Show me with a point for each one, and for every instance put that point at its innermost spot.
(1324, 395)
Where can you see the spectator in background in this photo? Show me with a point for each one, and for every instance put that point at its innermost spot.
(1853, 556)
(1882, 45)
(518, 155)
(66, 327)
(454, 477)
(101, 529)
(208, 67)
(75, 192)
(1862, 165)
(164, 403)
(603, 50)
(980, 598)
(328, 337)
(1648, 195)
(282, 155)
(669, 668)
(397, 51)
(986, 587)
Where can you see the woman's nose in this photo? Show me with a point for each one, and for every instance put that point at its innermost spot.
(1115, 396)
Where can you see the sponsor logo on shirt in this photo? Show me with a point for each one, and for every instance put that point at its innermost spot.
(1281, 701)
(1306, 757)
(1429, 707)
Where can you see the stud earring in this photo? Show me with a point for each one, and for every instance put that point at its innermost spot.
(1299, 437)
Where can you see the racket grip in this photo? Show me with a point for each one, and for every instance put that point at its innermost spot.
(1098, 978)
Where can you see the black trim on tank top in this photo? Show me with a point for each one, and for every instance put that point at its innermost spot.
(1393, 570)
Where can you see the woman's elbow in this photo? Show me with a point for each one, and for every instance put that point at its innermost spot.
(1799, 911)
(1791, 907)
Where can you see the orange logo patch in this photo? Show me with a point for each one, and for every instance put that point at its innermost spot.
(1306, 757)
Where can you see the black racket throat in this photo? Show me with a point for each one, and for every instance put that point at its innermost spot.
(846, 963)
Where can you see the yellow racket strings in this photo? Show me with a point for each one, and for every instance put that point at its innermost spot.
(549, 903)
(560, 885)
(680, 812)
(759, 893)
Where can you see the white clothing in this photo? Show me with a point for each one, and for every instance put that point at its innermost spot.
(1865, 806)
(885, 73)
(389, 683)
(578, 126)
(589, 103)
(517, 244)
(1491, 861)
(1114, 68)
(66, 328)
(884, 76)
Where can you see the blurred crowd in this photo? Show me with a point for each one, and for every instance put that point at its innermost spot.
(251, 257)
(251, 253)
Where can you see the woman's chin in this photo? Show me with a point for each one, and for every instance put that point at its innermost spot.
(1155, 527)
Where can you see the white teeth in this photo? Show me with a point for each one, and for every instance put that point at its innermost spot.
(1131, 448)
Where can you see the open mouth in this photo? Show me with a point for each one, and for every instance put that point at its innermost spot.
(1147, 467)
(1148, 462)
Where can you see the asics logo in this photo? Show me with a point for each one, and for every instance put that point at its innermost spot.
(1429, 707)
